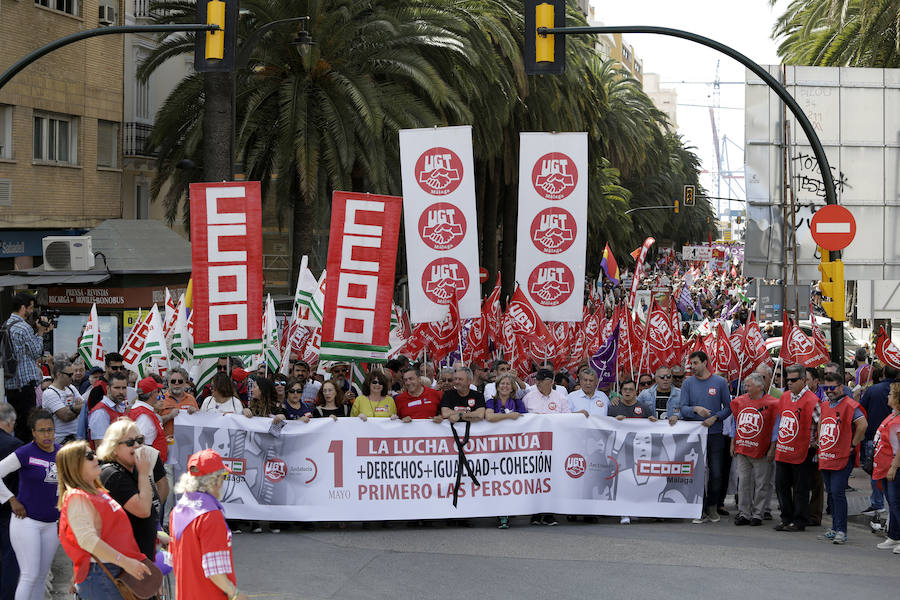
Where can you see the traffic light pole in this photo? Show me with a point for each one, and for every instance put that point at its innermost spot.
(837, 328)
(89, 33)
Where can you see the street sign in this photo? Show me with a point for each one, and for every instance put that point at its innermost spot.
(482, 274)
(833, 227)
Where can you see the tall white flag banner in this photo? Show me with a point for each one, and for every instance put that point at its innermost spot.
(440, 220)
(90, 348)
(552, 231)
(381, 469)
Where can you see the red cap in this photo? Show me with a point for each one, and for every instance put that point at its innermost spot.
(205, 462)
(239, 374)
(148, 385)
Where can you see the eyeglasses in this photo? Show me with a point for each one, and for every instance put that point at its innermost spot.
(67, 373)
(793, 379)
(296, 391)
(176, 381)
(646, 383)
(131, 442)
(89, 455)
(116, 367)
(279, 382)
(664, 377)
(221, 368)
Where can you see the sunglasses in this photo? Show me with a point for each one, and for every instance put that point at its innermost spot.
(176, 381)
(221, 368)
(295, 391)
(677, 376)
(793, 379)
(829, 388)
(131, 442)
(68, 373)
(647, 383)
(118, 368)
(664, 377)
(89, 455)
(376, 383)
(281, 383)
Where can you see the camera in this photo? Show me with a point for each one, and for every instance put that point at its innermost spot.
(47, 317)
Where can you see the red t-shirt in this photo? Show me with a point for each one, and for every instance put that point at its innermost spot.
(204, 549)
(885, 443)
(423, 406)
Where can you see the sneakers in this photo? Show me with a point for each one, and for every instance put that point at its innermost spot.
(536, 520)
(549, 520)
(897, 549)
(871, 511)
(713, 516)
(504, 523)
(839, 538)
(828, 535)
(782, 527)
(755, 522)
(720, 510)
(702, 519)
(767, 516)
(741, 520)
(625, 521)
(888, 544)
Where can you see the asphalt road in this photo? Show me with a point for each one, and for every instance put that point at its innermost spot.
(647, 559)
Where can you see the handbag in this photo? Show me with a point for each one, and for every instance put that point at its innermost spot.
(132, 588)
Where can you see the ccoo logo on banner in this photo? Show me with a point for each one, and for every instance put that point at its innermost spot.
(226, 259)
(439, 212)
(362, 253)
(550, 252)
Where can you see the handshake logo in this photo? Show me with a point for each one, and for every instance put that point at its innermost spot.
(553, 230)
(439, 171)
(442, 226)
(550, 284)
(554, 176)
(442, 278)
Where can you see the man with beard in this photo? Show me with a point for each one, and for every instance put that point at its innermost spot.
(661, 395)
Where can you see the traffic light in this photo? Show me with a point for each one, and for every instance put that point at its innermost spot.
(214, 50)
(832, 286)
(689, 195)
(544, 54)
(676, 206)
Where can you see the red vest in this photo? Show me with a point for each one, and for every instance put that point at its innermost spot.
(160, 442)
(113, 417)
(753, 422)
(795, 428)
(884, 449)
(835, 434)
(115, 531)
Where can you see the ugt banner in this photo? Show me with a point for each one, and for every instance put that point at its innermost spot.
(226, 262)
(348, 470)
(441, 228)
(362, 253)
(552, 231)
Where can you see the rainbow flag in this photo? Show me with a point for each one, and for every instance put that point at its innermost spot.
(610, 267)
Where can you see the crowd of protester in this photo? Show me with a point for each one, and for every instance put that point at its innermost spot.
(78, 449)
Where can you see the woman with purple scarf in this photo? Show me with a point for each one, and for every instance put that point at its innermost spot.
(201, 540)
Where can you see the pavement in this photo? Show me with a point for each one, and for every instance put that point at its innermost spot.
(670, 559)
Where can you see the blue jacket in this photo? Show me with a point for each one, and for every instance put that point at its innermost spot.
(673, 406)
(874, 402)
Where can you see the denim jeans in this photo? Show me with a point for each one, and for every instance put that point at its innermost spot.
(715, 465)
(836, 489)
(876, 500)
(98, 586)
(892, 495)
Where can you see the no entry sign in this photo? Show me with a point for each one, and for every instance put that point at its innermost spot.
(833, 227)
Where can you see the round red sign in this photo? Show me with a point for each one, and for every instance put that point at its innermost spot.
(553, 230)
(439, 171)
(442, 226)
(554, 176)
(551, 283)
(575, 465)
(833, 227)
(441, 277)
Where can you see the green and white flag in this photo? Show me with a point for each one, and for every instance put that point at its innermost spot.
(90, 348)
(182, 348)
(203, 371)
(271, 347)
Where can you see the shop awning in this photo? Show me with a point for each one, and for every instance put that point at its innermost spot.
(53, 279)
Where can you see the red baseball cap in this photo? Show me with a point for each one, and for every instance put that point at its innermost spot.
(148, 385)
(205, 462)
(239, 374)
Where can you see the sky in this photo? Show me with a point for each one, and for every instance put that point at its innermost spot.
(745, 25)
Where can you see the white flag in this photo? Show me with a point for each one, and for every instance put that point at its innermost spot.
(90, 348)
(182, 344)
(271, 345)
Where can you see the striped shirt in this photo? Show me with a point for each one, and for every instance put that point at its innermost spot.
(27, 346)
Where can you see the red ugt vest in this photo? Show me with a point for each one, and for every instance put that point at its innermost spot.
(160, 443)
(835, 434)
(753, 421)
(113, 417)
(884, 449)
(795, 428)
(115, 531)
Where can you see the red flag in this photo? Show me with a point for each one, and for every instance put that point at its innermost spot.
(736, 339)
(443, 335)
(660, 338)
(596, 329)
(635, 253)
(577, 339)
(797, 348)
(514, 349)
(490, 313)
(753, 346)
(560, 331)
(417, 342)
(476, 348)
(709, 346)
(679, 346)
(645, 247)
(631, 337)
(525, 321)
(885, 349)
(818, 336)
(729, 365)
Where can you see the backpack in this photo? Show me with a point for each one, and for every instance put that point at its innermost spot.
(8, 361)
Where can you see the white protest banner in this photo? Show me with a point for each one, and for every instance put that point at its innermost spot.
(552, 231)
(441, 228)
(348, 470)
(226, 258)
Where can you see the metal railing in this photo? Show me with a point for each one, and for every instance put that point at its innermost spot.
(135, 138)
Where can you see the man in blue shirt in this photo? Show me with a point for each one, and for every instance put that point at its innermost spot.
(28, 345)
(705, 397)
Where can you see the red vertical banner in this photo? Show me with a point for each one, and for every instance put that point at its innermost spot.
(362, 254)
(226, 257)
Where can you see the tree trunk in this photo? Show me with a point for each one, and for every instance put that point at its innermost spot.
(510, 217)
(489, 228)
(218, 122)
(301, 240)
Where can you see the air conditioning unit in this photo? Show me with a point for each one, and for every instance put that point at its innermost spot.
(68, 253)
(107, 14)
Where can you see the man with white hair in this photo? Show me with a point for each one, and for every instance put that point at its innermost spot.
(752, 446)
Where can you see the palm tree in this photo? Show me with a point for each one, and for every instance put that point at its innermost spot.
(856, 33)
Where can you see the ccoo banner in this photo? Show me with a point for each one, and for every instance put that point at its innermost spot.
(362, 253)
(441, 228)
(226, 259)
(380, 469)
(552, 232)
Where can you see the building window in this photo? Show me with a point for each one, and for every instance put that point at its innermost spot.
(56, 138)
(6, 131)
(141, 200)
(107, 144)
(66, 6)
(142, 110)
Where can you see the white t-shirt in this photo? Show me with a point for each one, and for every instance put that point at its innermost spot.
(228, 407)
(145, 425)
(55, 399)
